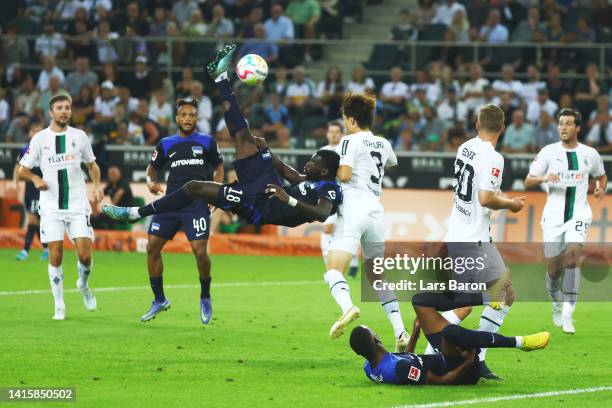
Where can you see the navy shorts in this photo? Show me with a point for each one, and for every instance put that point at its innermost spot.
(254, 174)
(31, 199)
(193, 220)
(439, 365)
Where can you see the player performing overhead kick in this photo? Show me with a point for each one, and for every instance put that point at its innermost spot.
(256, 196)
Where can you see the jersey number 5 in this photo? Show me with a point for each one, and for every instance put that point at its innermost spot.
(464, 177)
(377, 157)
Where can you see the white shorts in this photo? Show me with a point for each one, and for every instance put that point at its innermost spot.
(53, 225)
(355, 226)
(476, 262)
(558, 236)
(332, 219)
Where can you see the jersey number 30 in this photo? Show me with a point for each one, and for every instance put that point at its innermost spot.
(464, 178)
(377, 157)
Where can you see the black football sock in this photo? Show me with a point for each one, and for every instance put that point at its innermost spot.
(205, 287)
(171, 202)
(466, 338)
(157, 284)
(29, 237)
(447, 300)
(233, 117)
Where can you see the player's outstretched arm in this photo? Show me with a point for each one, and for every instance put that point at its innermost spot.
(286, 171)
(532, 181)
(319, 212)
(495, 201)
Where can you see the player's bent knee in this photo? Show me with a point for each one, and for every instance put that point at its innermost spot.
(85, 259)
(191, 187)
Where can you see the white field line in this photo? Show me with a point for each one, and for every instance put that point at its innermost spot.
(126, 288)
(509, 397)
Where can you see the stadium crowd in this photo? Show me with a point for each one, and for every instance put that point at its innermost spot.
(129, 99)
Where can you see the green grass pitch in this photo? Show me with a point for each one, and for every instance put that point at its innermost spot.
(267, 344)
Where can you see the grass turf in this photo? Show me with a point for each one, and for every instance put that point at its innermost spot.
(267, 344)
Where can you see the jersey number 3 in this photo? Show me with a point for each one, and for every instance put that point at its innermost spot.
(464, 178)
(377, 157)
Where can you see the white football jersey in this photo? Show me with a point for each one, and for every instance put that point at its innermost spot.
(567, 199)
(335, 148)
(477, 167)
(59, 156)
(368, 155)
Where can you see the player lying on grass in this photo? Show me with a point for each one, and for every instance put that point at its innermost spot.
(456, 363)
(256, 197)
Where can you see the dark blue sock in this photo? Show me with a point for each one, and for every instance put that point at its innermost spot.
(157, 284)
(233, 117)
(466, 338)
(205, 287)
(171, 202)
(29, 237)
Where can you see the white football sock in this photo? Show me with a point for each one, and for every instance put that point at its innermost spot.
(390, 304)
(571, 286)
(355, 262)
(222, 76)
(84, 271)
(134, 214)
(339, 289)
(452, 318)
(519, 341)
(553, 286)
(490, 321)
(56, 278)
(325, 241)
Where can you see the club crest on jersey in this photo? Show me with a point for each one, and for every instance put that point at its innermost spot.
(414, 374)
(495, 172)
(197, 150)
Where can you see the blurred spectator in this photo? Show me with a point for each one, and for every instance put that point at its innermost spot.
(196, 26)
(488, 97)
(278, 123)
(26, 98)
(181, 11)
(247, 30)
(584, 33)
(205, 110)
(299, 97)
(135, 129)
(126, 99)
(404, 30)
(14, 50)
(109, 73)
(266, 50)
(5, 111)
(140, 81)
(541, 103)
(603, 105)
(160, 110)
(425, 13)
(36, 11)
(105, 103)
(18, 129)
(130, 45)
(330, 93)
(42, 106)
(518, 136)
(452, 111)
(555, 85)
(566, 101)
(433, 134)
(493, 31)
(219, 25)
(472, 92)
(394, 95)
(49, 43)
(546, 132)
(183, 86)
(601, 14)
(120, 193)
(106, 43)
(360, 83)
(159, 22)
(505, 104)
(456, 137)
(66, 9)
(305, 14)
(84, 45)
(530, 89)
(417, 103)
(590, 88)
(279, 28)
(49, 69)
(150, 128)
(82, 106)
(81, 76)
(554, 31)
(460, 27)
(422, 82)
(280, 83)
(507, 83)
(531, 29)
(331, 18)
(445, 12)
(600, 135)
(176, 54)
(406, 136)
(131, 18)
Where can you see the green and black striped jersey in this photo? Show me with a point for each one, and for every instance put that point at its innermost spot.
(567, 199)
(59, 156)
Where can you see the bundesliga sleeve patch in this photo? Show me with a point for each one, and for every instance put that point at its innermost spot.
(495, 172)
(414, 374)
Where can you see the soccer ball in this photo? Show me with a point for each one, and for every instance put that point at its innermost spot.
(252, 69)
